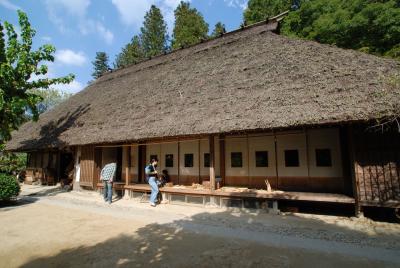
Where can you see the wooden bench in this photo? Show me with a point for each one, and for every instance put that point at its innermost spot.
(218, 196)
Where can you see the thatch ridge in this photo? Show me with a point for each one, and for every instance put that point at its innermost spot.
(250, 79)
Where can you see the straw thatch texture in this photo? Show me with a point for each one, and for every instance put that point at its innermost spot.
(247, 80)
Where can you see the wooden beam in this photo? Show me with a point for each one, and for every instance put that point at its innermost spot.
(353, 162)
(179, 160)
(222, 158)
(127, 153)
(212, 162)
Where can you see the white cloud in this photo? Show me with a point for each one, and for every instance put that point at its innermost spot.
(90, 26)
(77, 10)
(46, 38)
(132, 11)
(73, 87)
(237, 3)
(69, 57)
(7, 4)
(73, 7)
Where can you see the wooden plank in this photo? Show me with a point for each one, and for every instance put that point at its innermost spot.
(87, 166)
(97, 165)
(298, 196)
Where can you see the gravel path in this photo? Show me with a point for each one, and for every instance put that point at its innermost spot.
(227, 237)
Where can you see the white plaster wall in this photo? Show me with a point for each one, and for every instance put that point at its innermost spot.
(289, 141)
(154, 149)
(169, 148)
(204, 148)
(325, 139)
(262, 143)
(236, 144)
(189, 147)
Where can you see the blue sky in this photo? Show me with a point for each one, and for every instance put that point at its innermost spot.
(79, 28)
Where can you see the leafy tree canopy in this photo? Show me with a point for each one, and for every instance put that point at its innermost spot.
(259, 10)
(130, 54)
(219, 29)
(19, 65)
(190, 27)
(50, 98)
(153, 33)
(371, 26)
(100, 64)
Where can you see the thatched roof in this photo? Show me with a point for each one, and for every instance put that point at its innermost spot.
(251, 79)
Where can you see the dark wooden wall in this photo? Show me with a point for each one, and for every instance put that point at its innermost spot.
(87, 166)
(377, 166)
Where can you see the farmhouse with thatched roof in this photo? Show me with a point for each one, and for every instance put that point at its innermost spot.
(248, 107)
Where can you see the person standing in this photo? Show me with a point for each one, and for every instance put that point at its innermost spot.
(107, 175)
(151, 176)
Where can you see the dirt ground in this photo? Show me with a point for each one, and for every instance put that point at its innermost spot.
(57, 229)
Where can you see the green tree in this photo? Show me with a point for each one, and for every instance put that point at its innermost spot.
(190, 27)
(370, 26)
(50, 98)
(18, 64)
(132, 53)
(100, 64)
(259, 10)
(153, 33)
(219, 29)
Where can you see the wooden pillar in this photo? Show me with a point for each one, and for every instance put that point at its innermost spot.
(222, 158)
(350, 136)
(179, 162)
(127, 156)
(212, 162)
(276, 160)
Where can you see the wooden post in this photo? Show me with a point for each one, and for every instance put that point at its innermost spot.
(276, 160)
(127, 163)
(222, 158)
(350, 136)
(179, 162)
(212, 162)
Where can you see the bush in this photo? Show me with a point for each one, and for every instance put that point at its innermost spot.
(9, 187)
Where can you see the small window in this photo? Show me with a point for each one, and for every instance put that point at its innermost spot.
(292, 158)
(236, 159)
(153, 156)
(188, 160)
(262, 159)
(169, 160)
(207, 160)
(323, 158)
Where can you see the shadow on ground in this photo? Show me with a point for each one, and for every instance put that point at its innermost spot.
(29, 198)
(201, 241)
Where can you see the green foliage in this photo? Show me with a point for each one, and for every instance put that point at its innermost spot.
(259, 10)
(9, 187)
(219, 29)
(132, 53)
(12, 162)
(369, 26)
(100, 64)
(18, 63)
(153, 33)
(190, 27)
(50, 98)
